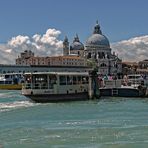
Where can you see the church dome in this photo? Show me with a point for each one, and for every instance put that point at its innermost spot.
(97, 38)
(76, 45)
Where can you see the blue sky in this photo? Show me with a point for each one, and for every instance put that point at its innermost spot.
(119, 19)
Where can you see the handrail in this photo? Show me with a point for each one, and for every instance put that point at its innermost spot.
(36, 86)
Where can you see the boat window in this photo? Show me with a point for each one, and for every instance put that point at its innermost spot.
(28, 78)
(6, 76)
(79, 79)
(40, 78)
(69, 80)
(52, 81)
(2, 82)
(8, 82)
(74, 80)
(84, 80)
(62, 80)
(39, 81)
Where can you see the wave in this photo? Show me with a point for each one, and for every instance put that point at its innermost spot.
(15, 105)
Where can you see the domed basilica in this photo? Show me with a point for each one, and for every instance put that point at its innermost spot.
(96, 49)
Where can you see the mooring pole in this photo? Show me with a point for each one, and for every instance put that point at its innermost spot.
(90, 89)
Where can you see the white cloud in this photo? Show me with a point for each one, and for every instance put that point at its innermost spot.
(134, 49)
(18, 41)
(47, 44)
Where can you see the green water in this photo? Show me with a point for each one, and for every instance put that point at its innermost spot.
(104, 123)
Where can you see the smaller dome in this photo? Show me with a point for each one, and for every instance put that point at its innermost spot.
(76, 45)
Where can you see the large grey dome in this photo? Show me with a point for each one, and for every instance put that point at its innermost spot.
(97, 39)
(76, 45)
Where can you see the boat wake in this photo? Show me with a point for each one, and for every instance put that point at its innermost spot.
(15, 105)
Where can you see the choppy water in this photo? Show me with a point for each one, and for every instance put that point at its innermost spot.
(105, 123)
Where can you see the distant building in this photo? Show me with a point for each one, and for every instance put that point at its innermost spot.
(72, 56)
(97, 48)
(24, 58)
(143, 64)
(68, 60)
(143, 67)
(135, 68)
(129, 67)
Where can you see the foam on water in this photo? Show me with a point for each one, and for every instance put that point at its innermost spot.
(15, 105)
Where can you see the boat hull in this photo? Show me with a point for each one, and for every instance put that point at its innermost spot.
(121, 92)
(43, 98)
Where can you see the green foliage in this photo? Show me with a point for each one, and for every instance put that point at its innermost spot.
(92, 63)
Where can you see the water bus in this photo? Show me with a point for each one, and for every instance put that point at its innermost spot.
(56, 86)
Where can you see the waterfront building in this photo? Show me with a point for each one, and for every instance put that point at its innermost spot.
(135, 68)
(143, 67)
(69, 60)
(129, 67)
(143, 64)
(24, 58)
(73, 55)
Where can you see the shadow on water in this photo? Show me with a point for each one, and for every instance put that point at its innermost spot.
(121, 99)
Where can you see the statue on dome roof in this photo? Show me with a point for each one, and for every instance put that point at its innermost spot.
(97, 28)
(76, 38)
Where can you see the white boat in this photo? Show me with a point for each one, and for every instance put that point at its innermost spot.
(129, 86)
(11, 81)
(56, 86)
(133, 80)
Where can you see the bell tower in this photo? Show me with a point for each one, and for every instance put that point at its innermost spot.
(65, 46)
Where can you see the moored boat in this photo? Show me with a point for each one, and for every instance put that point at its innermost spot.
(11, 81)
(56, 86)
(129, 86)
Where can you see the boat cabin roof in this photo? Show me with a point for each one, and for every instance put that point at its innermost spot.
(58, 73)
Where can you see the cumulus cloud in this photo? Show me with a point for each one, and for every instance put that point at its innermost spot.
(47, 44)
(134, 49)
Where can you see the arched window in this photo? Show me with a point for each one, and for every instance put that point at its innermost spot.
(103, 55)
(103, 65)
(89, 55)
(78, 53)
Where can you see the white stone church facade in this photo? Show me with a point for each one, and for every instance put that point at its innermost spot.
(96, 49)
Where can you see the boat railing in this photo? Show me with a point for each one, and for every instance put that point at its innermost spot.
(36, 86)
(112, 83)
(133, 82)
